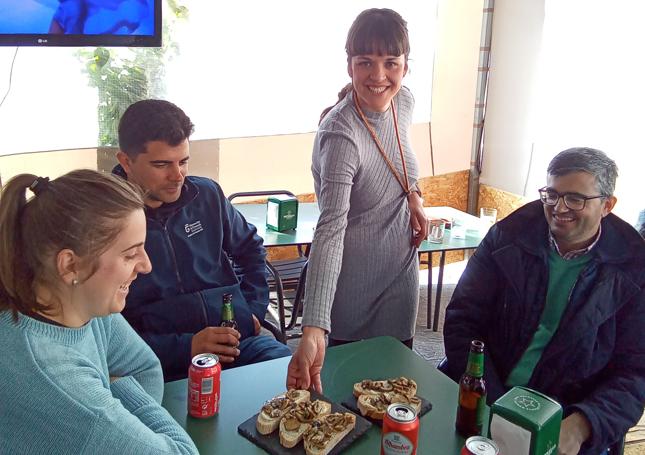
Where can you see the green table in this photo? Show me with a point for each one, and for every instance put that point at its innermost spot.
(308, 214)
(245, 389)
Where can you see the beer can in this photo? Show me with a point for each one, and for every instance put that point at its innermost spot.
(479, 445)
(204, 385)
(400, 430)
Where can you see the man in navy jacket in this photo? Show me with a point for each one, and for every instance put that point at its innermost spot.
(194, 236)
(557, 293)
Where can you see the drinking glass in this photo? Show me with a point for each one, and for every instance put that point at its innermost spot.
(436, 231)
(488, 215)
(458, 230)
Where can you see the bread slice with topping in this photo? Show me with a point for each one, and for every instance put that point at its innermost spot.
(273, 410)
(375, 406)
(401, 385)
(298, 419)
(326, 432)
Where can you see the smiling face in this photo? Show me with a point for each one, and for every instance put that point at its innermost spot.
(160, 170)
(571, 229)
(104, 291)
(377, 79)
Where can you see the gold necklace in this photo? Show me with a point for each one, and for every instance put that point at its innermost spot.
(405, 184)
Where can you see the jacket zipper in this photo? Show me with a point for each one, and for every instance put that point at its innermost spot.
(201, 299)
(179, 282)
(174, 258)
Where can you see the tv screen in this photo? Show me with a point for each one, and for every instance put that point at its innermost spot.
(80, 22)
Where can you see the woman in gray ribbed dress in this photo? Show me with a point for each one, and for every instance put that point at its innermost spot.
(362, 279)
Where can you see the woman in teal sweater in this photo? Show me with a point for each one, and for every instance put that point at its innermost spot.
(74, 377)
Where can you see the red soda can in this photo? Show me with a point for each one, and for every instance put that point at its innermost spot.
(479, 445)
(203, 385)
(400, 430)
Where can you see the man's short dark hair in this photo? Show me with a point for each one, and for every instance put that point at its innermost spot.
(152, 120)
(585, 159)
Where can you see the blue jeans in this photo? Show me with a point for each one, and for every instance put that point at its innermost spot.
(258, 349)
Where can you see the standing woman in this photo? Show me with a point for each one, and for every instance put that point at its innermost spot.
(74, 376)
(363, 278)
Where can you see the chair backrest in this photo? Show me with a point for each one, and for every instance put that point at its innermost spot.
(259, 193)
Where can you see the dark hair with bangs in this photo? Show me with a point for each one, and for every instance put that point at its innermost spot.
(379, 31)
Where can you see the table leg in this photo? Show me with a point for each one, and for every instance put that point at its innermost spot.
(429, 297)
(437, 299)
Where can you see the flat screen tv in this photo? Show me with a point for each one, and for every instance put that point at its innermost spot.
(80, 23)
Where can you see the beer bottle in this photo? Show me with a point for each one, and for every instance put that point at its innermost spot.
(228, 315)
(472, 393)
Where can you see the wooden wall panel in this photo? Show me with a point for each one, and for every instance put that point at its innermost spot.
(503, 201)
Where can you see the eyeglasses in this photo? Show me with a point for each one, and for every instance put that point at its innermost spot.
(573, 201)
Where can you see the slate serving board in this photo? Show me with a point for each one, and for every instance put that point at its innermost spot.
(351, 403)
(271, 442)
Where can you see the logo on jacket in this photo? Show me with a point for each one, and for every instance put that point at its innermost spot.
(193, 228)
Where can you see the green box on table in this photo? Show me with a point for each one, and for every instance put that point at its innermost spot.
(282, 213)
(526, 422)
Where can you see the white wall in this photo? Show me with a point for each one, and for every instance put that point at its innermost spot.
(565, 73)
(515, 49)
(455, 83)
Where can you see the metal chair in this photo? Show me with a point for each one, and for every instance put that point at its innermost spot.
(286, 279)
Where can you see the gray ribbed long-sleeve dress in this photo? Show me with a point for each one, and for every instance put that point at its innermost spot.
(362, 279)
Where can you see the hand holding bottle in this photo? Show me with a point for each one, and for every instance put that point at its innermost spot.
(222, 341)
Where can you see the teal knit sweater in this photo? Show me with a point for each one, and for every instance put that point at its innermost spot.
(56, 396)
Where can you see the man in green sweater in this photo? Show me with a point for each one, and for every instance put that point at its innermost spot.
(557, 293)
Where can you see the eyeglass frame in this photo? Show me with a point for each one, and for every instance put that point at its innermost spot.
(542, 191)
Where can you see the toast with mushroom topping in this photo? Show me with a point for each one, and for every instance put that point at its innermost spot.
(273, 410)
(326, 432)
(375, 406)
(401, 385)
(298, 419)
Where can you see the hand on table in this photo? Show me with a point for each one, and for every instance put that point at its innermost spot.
(306, 364)
(222, 341)
(575, 430)
(256, 325)
(418, 219)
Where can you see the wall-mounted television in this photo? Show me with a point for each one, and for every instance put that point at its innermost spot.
(80, 23)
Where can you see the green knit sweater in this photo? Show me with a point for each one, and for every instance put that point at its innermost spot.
(562, 277)
(56, 396)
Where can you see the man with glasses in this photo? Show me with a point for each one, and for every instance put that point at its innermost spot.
(556, 291)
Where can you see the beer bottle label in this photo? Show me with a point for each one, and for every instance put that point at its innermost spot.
(227, 312)
(475, 364)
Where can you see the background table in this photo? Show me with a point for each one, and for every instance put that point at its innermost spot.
(245, 389)
(475, 232)
(308, 214)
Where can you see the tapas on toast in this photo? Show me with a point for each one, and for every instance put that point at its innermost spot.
(273, 410)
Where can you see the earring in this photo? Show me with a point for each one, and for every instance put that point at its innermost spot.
(74, 282)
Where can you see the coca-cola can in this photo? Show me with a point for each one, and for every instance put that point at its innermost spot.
(479, 445)
(203, 385)
(400, 430)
